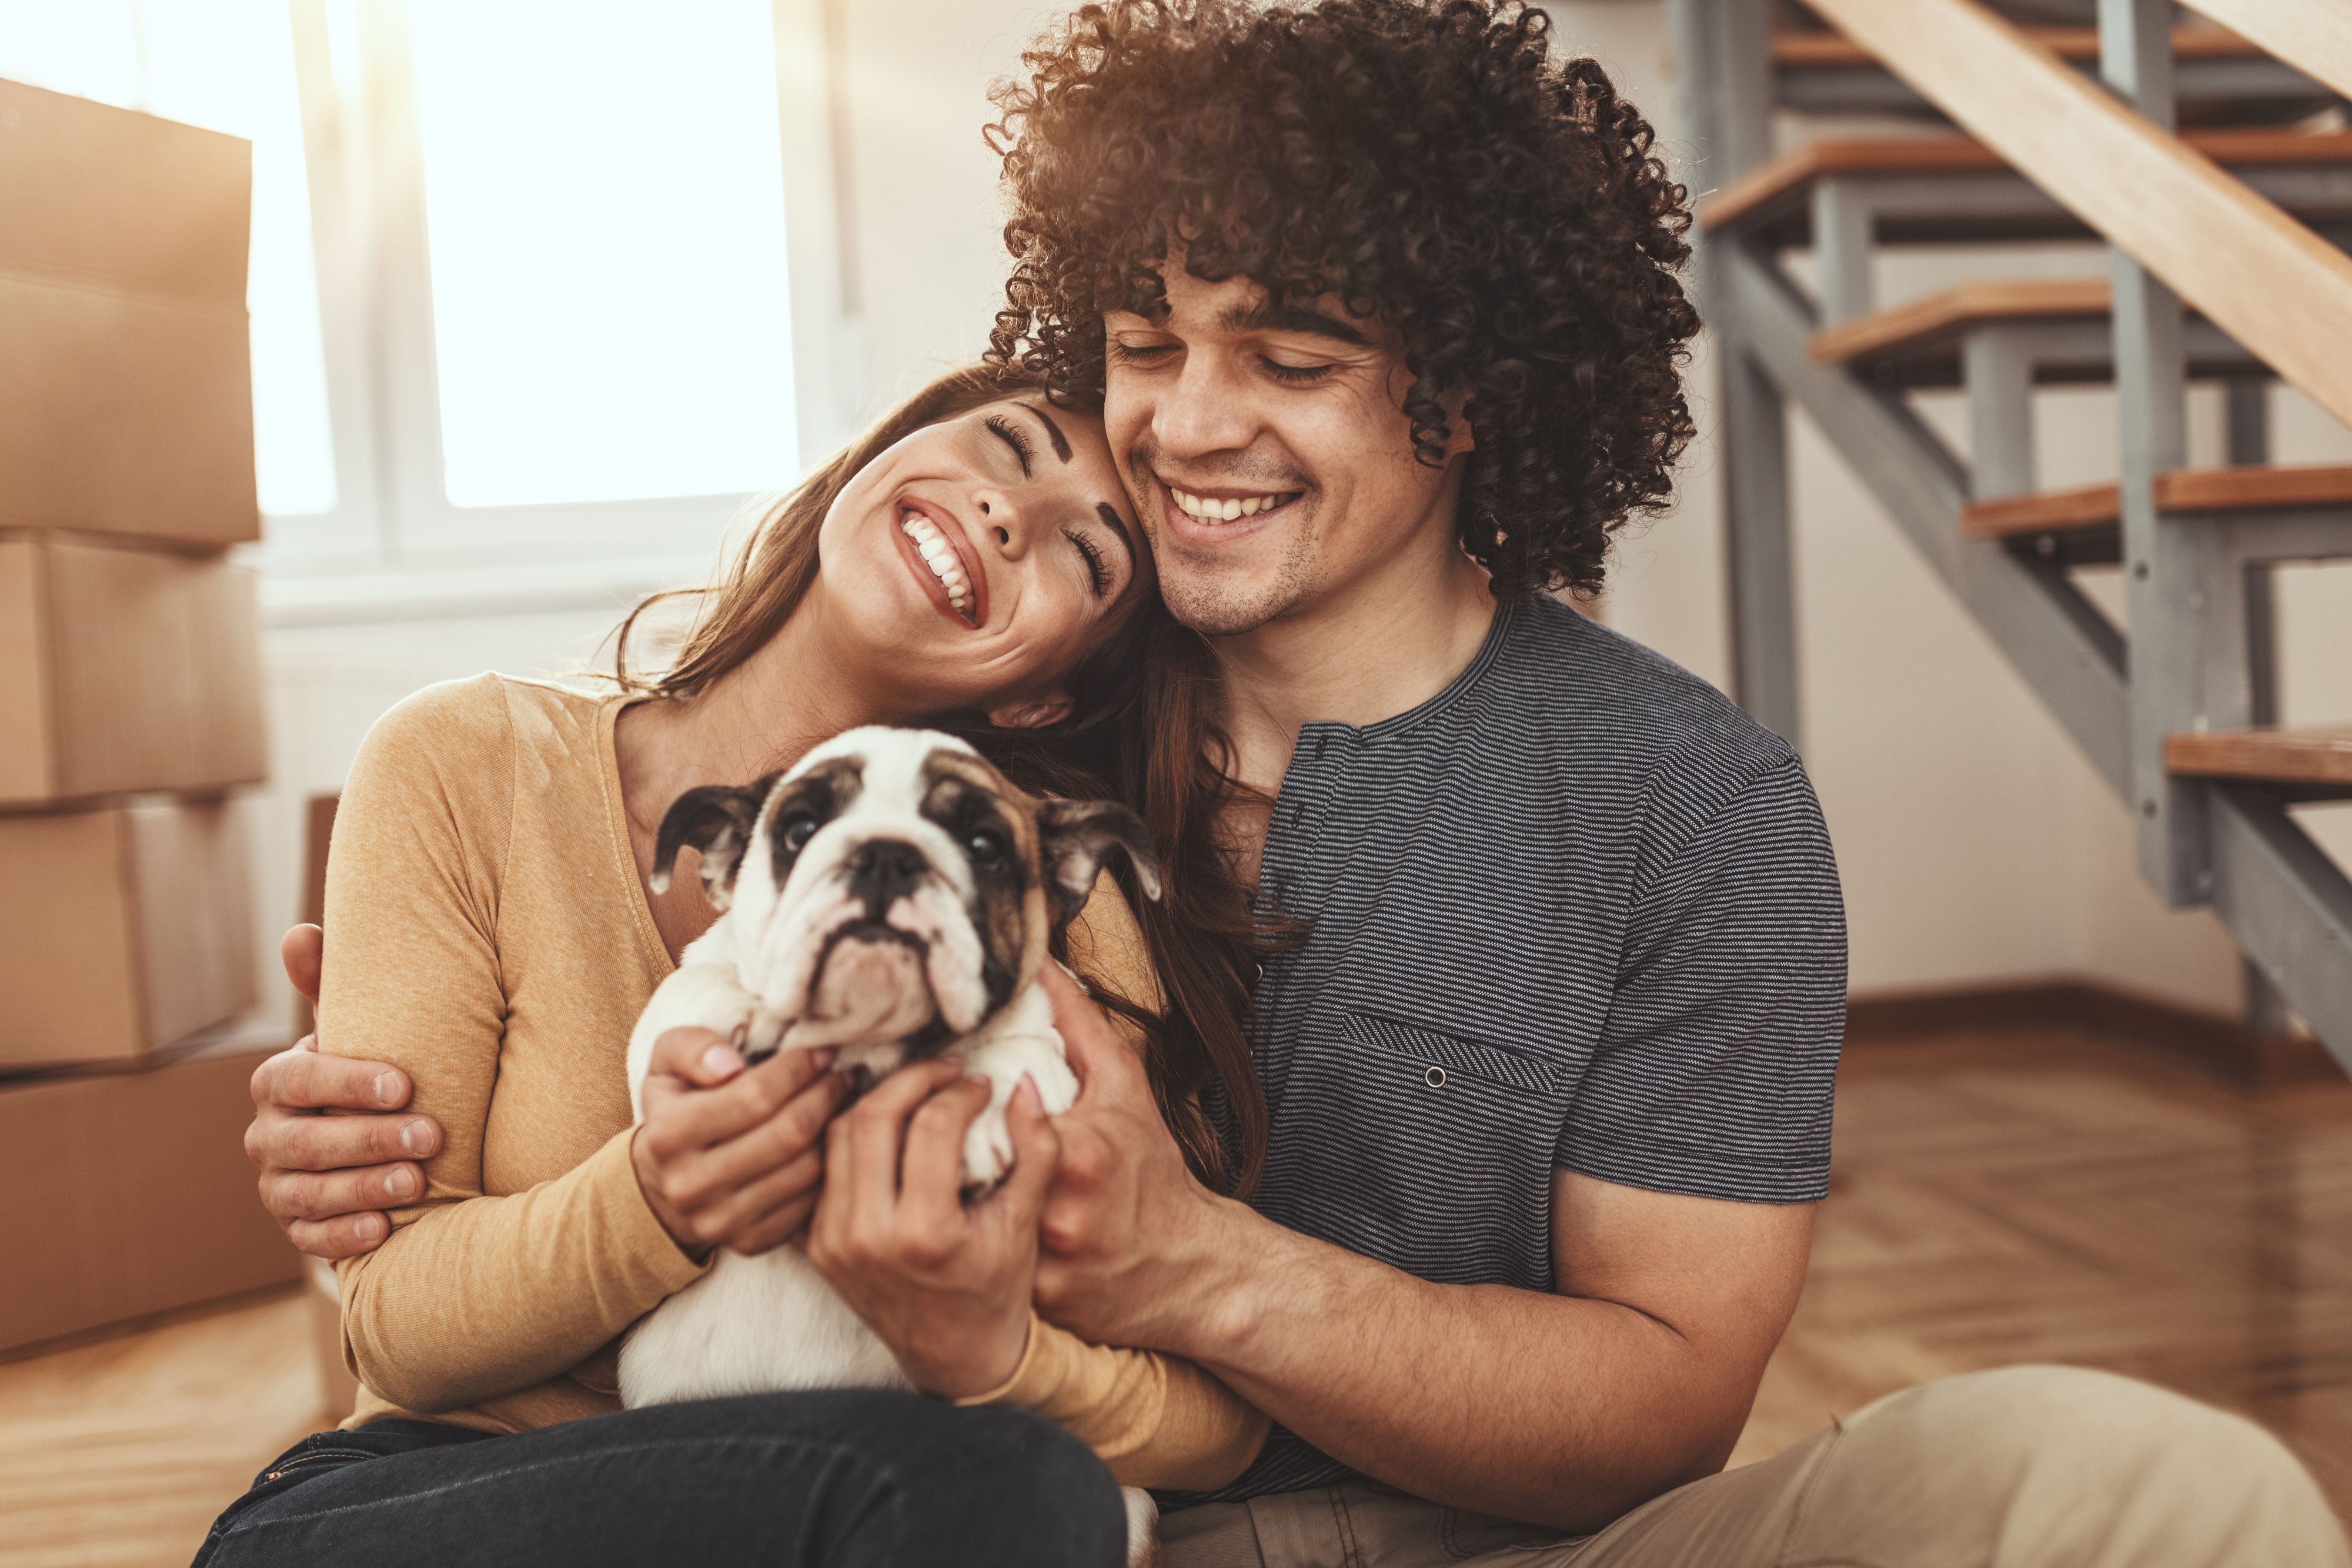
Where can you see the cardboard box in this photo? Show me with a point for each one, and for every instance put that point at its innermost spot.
(124, 670)
(121, 415)
(128, 404)
(125, 929)
(125, 1194)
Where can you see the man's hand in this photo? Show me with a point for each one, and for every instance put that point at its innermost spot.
(1131, 1240)
(945, 1285)
(727, 1155)
(327, 1180)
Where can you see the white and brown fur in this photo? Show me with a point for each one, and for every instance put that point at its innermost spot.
(892, 896)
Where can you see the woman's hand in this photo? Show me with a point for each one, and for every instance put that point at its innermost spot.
(944, 1283)
(729, 1156)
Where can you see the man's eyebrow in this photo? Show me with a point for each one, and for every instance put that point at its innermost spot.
(1052, 431)
(1292, 319)
(1109, 515)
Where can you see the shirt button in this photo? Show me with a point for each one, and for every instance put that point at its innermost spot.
(1434, 1078)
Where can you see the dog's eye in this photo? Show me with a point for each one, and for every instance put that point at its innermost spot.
(988, 848)
(797, 831)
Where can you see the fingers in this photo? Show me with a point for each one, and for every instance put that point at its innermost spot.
(1036, 1147)
(1105, 1065)
(726, 1220)
(781, 1226)
(311, 1081)
(680, 1122)
(931, 1170)
(279, 1142)
(789, 1137)
(346, 1236)
(303, 951)
(701, 1057)
(875, 1130)
(315, 1195)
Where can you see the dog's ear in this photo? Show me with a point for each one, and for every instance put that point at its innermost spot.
(717, 820)
(1073, 838)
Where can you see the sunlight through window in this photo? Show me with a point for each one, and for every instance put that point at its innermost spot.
(605, 212)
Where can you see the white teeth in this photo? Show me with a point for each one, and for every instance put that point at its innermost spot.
(1227, 510)
(940, 557)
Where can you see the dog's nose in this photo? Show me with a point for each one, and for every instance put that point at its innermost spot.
(883, 871)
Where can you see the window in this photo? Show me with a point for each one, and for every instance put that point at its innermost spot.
(605, 212)
(535, 285)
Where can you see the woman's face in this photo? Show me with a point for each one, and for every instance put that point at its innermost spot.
(979, 559)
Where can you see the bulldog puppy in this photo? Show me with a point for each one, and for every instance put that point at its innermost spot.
(893, 897)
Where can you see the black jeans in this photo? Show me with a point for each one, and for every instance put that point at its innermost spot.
(841, 1478)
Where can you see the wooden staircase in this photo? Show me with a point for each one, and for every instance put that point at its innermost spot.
(2031, 132)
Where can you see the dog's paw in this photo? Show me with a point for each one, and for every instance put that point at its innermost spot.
(758, 1036)
(987, 1153)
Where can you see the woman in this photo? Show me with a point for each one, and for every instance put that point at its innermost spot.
(968, 561)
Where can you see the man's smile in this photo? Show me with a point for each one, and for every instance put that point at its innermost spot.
(1220, 514)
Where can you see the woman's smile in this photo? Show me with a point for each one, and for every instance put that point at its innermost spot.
(940, 554)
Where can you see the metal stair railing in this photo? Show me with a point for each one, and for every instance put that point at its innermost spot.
(2201, 641)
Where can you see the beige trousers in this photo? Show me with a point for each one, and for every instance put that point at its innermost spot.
(2031, 1466)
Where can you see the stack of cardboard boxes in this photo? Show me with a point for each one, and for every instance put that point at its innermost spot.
(130, 706)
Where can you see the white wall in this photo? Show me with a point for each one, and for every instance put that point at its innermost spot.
(1976, 844)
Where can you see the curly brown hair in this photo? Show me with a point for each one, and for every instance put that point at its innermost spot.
(1426, 163)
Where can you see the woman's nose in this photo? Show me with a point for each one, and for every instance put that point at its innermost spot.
(1000, 524)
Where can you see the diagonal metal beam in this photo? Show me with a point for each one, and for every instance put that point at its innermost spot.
(2289, 907)
(2068, 653)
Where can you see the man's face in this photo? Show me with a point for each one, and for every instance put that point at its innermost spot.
(1269, 454)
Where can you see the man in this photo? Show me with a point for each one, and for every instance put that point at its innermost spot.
(1381, 303)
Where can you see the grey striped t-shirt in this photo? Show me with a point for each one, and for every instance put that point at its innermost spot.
(1577, 910)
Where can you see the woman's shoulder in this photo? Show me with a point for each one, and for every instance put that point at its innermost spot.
(464, 738)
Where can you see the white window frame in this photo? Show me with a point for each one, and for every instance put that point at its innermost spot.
(394, 546)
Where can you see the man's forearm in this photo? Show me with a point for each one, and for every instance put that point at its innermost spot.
(1536, 1406)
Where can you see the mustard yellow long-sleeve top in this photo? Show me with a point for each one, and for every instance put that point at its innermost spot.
(488, 933)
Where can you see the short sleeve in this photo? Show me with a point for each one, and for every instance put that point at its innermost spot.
(1714, 1072)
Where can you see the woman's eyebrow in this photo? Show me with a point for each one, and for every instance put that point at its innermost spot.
(1052, 431)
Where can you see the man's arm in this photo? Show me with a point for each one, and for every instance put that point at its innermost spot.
(327, 1180)
(1565, 1409)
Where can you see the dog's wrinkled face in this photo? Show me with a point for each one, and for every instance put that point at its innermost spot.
(893, 887)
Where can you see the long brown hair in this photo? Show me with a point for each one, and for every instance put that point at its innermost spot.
(1103, 748)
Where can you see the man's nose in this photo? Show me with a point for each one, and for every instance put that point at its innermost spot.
(1207, 410)
(883, 871)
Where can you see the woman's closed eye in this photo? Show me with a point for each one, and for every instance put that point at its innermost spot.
(1097, 569)
(1014, 436)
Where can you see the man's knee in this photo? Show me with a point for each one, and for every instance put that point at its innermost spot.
(2051, 1460)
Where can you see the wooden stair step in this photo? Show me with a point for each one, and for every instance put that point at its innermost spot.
(2252, 487)
(2274, 755)
(2079, 45)
(1798, 168)
(1940, 319)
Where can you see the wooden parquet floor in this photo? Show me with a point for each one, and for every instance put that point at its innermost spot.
(2061, 1196)
(118, 1453)
(1998, 1198)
